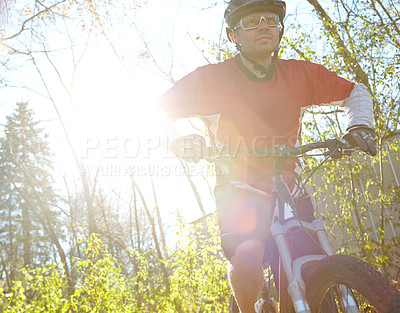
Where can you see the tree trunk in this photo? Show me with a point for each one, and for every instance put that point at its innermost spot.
(194, 189)
(330, 27)
(160, 224)
(26, 236)
(154, 234)
(349, 57)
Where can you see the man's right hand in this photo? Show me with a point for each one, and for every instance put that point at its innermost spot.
(191, 148)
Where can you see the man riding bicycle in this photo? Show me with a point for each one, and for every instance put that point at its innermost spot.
(256, 100)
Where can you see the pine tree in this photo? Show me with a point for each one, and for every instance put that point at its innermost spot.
(30, 228)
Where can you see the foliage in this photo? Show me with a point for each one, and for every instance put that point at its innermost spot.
(197, 280)
(40, 290)
(199, 265)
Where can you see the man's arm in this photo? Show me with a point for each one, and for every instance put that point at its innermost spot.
(359, 108)
(360, 113)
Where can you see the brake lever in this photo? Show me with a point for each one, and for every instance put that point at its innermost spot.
(339, 147)
(349, 152)
(336, 147)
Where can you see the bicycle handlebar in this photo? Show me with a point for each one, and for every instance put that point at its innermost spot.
(224, 152)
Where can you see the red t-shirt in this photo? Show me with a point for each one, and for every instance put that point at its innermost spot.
(239, 110)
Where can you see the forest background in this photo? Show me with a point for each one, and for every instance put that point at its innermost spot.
(95, 216)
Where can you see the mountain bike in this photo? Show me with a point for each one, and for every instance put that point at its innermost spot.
(317, 280)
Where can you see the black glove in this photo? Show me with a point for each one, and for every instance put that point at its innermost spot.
(363, 137)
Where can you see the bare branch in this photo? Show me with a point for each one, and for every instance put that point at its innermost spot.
(329, 25)
(167, 75)
(198, 48)
(30, 19)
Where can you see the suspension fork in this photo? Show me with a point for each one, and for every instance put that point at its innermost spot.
(299, 302)
(284, 209)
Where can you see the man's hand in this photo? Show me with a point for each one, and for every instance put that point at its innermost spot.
(363, 137)
(191, 148)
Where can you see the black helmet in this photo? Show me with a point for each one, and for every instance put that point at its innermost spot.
(239, 8)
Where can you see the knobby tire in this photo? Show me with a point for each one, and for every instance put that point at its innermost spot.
(364, 282)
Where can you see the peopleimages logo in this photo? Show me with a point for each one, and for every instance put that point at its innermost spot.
(115, 169)
(123, 147)
(117, 147)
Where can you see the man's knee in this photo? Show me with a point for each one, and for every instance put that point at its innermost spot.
(249, 252)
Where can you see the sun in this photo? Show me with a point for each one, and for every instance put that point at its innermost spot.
(112, 104)
(122, 132)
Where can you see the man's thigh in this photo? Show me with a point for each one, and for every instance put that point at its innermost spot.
(242, 215)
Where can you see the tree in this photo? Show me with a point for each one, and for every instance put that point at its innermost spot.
(28, 199)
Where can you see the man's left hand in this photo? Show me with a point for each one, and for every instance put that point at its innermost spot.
(191, 148)
(363, 137)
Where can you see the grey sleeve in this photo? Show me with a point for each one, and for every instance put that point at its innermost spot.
(359, 107)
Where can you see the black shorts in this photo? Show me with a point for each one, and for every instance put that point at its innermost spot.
(245, 214)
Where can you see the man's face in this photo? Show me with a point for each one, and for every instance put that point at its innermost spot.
(259, 41)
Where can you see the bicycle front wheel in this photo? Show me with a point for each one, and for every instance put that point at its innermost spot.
(342, 284)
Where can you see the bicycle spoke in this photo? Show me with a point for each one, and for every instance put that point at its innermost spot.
(342, 299)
